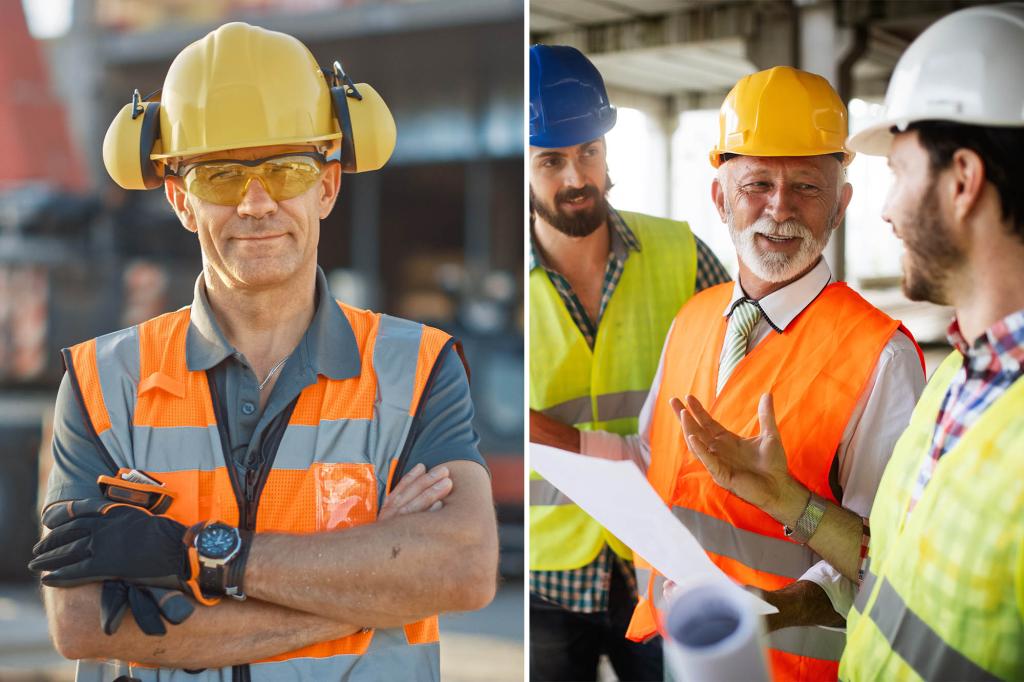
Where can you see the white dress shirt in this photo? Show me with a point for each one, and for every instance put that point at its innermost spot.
(881, 414)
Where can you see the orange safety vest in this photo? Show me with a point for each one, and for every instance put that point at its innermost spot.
(332, 467)
(816, 371)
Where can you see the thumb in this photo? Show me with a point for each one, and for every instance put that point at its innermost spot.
(766, 417)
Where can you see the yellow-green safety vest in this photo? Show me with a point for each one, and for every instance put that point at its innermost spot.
(603, 388)
(943, 596)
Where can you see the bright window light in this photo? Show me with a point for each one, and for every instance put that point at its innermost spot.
(637, 163)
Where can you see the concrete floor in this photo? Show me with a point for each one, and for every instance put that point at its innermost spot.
(484, 645)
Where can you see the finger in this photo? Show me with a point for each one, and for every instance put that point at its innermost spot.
(113, 605)
(426, 499)
(59, 513)
(405, 487)
(766, 416)
(173, 605)
(422, 485)
(693, 433)
(64, 555)
(145, 611)
(64, 535)
(706, 421)
(437, 505)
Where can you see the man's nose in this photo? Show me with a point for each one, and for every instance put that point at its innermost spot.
(781, 204)
(256, 200)
(574, 176)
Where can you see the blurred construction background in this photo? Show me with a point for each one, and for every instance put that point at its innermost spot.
(668, 65)
(435, 236)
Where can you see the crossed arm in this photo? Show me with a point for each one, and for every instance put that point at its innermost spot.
(311, 588)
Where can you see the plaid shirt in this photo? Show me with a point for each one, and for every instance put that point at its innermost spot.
(991, 365)
(585, 590)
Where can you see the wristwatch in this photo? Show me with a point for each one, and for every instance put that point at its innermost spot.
(804, 528)
(217, 546)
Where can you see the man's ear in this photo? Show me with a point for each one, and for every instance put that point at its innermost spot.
(967, 171)
(177, 197)
(330, 185)
(845, 194)
(718, 197)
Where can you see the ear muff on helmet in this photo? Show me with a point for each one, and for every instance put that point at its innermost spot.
(130, 140)
(367, 128)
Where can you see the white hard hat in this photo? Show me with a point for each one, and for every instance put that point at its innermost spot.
(968, 67)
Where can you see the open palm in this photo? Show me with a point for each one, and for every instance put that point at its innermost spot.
(754, 469)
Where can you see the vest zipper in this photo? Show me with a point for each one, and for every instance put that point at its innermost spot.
(249, 491)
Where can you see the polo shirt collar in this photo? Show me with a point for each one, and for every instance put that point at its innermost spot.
(781, 307)
(328, 347)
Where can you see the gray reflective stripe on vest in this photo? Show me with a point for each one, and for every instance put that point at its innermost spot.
(864, 592)
(760, 552)
(117, 359)
(180, 447)
(917, 643)
(395, 354)
(543, 494)
(388, 657)
(575, 411)
(621, 405)
(811, 642)
(340, 440)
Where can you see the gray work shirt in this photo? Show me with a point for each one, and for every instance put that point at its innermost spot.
(443, 431)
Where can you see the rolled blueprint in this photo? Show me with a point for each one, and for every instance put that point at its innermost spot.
(713, 635)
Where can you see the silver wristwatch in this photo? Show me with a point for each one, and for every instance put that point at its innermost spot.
(804, 528)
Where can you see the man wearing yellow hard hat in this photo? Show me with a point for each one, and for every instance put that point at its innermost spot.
(941, 594)
(844, 376)
(267, 484)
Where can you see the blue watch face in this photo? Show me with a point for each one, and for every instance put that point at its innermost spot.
(216, 541)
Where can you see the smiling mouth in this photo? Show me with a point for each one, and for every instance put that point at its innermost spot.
(259, 238)
(776, 239)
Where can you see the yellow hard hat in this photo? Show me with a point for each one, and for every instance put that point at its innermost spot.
(243, 86)
(782, 111)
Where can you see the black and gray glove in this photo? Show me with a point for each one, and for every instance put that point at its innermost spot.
(150, 606)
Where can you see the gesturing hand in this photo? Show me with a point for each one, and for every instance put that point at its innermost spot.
(754, 469)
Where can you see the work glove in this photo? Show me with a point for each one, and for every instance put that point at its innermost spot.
(150, 606)
(94, 540)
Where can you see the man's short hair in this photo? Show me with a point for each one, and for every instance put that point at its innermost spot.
(1000, 149)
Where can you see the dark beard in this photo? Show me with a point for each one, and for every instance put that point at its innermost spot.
(576, 223)
(931, 253)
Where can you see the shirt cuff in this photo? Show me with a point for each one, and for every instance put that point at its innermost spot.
(840, 591)
(606, 445)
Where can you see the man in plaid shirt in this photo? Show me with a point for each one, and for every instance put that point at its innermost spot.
(604, 286)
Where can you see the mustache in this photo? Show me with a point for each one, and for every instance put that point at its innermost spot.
(786, 229)
(571, 194)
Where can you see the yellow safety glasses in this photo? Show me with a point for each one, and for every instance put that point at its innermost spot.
(225, 181)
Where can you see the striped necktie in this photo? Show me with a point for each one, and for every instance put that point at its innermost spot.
(742, 321)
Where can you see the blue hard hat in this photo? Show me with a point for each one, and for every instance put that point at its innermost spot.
(568, 102)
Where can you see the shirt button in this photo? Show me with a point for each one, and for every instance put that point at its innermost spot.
(248, 408)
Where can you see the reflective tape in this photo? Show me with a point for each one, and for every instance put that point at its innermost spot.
(760, 552)
(809, 642)
(575, 411)
(543, 494)
(917, 643)
(861, 600)
(621, 405)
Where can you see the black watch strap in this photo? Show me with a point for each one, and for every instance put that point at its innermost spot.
(232, 584)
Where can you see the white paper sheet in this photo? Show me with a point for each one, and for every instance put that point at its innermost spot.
(618, 495)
